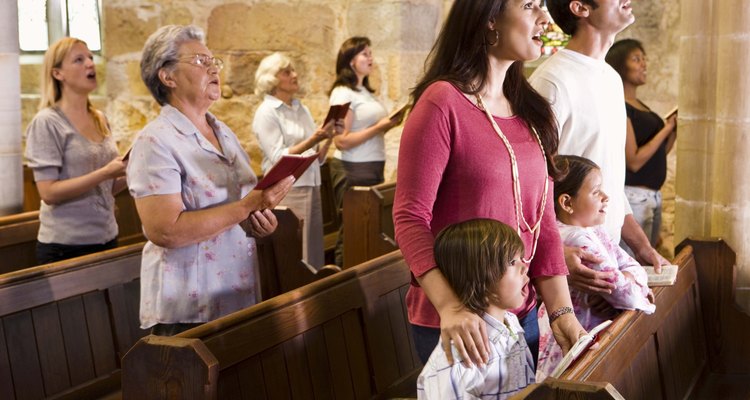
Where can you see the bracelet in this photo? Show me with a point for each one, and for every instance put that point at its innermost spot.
(559, 313)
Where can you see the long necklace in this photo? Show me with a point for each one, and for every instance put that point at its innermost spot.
(535, 229)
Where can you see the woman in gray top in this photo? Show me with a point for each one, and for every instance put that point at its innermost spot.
(74, 158)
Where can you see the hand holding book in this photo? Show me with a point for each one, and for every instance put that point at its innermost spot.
(583, 344)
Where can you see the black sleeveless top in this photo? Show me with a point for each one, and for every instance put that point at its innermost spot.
(646, 124)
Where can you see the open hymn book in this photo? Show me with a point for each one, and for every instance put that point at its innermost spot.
(667, 277)
(289, 164)
(583, 343)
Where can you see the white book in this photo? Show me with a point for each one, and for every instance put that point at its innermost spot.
(667, 277)
(583, 343)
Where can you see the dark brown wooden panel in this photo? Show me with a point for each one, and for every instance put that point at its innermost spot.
(24, 359)
(400, 332)
(77, 344)
(681, 331)
(320, 368)
(337, 355)
(250, 375)
(355, 347)
(229, 385)
(275, 374)
(297, 367)
(52, 357)
(6, 378)
(100, 333)
(641, 380)
(384, 359)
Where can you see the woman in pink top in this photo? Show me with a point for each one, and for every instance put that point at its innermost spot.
(478, 144)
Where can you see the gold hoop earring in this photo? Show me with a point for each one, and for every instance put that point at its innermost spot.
(497, 38)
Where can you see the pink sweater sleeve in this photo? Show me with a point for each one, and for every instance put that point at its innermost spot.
(423, 156)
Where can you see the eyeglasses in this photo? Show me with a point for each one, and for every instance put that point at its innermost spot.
(202, 60)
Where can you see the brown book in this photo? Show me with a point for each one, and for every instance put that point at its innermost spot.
(289, 164)
(336, 111)
(398, 114)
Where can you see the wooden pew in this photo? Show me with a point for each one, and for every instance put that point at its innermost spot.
(694, 342)
(331, 218)
(345, 336)
(65, 326)
(283, 348)
(18, 233)
(368, 223)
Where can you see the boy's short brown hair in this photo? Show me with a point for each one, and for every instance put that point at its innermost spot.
(473, 256)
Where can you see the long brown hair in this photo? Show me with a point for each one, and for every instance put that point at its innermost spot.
(345, 75)
(51, 88)
(473, 255)
(460, 56)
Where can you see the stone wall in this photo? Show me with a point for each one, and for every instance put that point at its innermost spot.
(242, 33)
(310, 31)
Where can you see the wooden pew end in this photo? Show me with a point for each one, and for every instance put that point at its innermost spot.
(173, 367)
(552, 389)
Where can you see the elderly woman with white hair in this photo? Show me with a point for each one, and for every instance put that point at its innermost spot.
(193, 188)
(283, 126)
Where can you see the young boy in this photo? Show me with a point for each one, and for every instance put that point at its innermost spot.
(480, 259)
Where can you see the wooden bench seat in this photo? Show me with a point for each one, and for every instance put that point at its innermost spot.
(65, 326)
(368, 223)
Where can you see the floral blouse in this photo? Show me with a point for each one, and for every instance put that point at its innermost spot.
(203, 281)
(627, 295)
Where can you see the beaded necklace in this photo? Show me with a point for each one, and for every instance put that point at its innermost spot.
(535, 230)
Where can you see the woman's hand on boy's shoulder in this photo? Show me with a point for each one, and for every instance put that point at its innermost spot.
(468, 334)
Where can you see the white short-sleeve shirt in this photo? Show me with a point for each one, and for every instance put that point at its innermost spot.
(587, 97)
(367, 112)
(203, 281)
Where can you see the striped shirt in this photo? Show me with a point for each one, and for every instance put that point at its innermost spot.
(508, 371)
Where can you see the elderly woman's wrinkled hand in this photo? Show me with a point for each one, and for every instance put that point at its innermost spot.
(262, 223)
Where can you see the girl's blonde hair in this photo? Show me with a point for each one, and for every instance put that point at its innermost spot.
(51, 88)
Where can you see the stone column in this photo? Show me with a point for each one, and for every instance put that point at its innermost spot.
(11, 173)
(713, 147)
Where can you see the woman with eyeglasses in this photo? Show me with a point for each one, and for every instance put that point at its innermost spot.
(193, 189)
(74, 158)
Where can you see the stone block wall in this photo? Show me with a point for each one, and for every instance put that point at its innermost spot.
(311, 31)
(243, 32)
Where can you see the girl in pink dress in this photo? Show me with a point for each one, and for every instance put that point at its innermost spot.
(581, 205)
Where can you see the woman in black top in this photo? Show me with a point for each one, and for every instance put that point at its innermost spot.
(649, 139)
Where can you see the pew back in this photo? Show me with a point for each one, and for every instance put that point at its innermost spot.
(368, 223)
(343, 337)
(693, 334)
(18, 233)
(66, 325)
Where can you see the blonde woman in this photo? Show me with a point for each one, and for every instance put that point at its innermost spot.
(283, 125)
(74, 158)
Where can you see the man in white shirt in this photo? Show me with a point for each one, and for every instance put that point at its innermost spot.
(586, 95)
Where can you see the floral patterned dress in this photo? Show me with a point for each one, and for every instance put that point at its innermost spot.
(628, 294)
